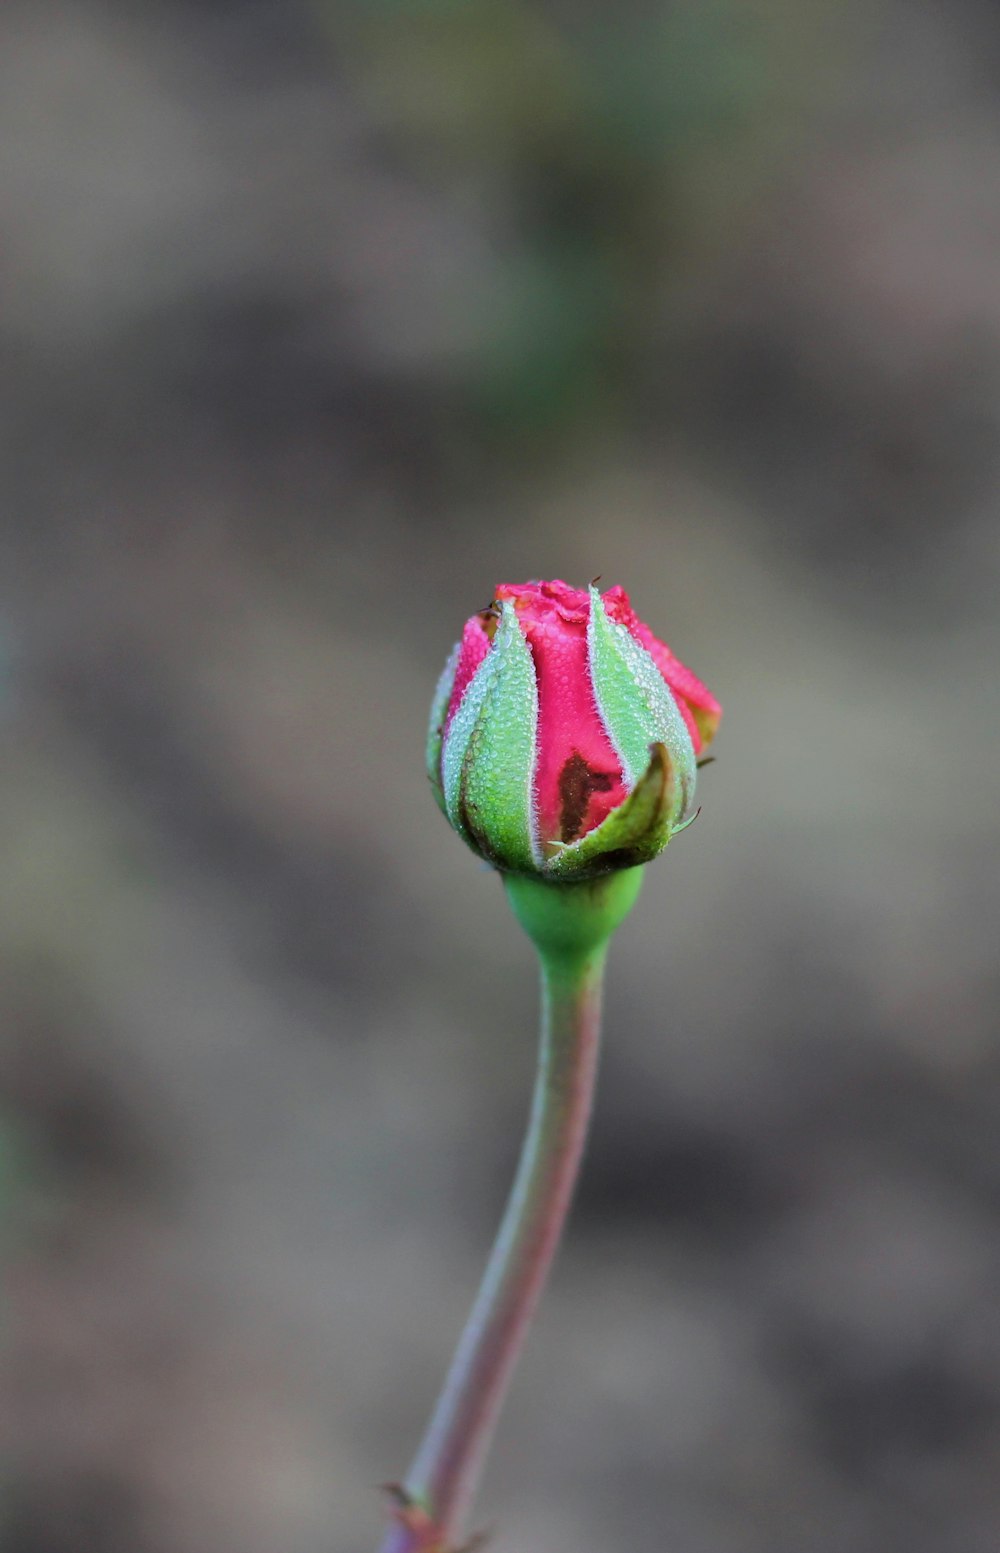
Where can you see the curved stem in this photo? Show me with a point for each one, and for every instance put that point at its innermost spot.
(438, 1490)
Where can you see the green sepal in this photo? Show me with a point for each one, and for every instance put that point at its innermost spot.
(633, 833)
(636, 705)
(488, 759)
(435, 728)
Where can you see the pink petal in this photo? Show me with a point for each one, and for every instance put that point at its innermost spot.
(475, 646)
(578, 778)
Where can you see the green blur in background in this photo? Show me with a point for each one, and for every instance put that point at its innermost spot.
(318, 321)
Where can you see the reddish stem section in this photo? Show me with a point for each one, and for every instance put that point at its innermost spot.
(436, 1497)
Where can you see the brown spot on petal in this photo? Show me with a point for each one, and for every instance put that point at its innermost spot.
(490, 619)
(577, 781)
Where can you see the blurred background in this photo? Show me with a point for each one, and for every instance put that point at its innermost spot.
(318, 320)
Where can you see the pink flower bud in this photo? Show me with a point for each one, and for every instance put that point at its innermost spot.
(564, 734)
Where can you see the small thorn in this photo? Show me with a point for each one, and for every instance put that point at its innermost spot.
(595, 580)
(411, 1514)
(684, 824)
(706, 760)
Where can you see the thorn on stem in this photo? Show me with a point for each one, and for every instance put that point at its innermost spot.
(428, 1538)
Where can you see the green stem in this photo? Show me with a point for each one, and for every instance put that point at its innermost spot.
(571, 926)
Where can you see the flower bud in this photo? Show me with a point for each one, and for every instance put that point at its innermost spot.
(564, 736)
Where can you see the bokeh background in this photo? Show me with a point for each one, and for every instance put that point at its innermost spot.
(317, 321)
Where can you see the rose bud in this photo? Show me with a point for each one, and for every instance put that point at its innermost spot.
(564, 735)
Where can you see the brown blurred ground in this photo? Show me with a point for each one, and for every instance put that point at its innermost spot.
(317, 321)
